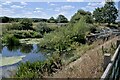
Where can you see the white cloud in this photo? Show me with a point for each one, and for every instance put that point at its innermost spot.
(52, 4)
(23, 3)
(37, 11)
(6, 12)
(66, 7)
(96, 4)
(16, 6)
(39, 8)
(75, 0)
(92, 5)
(6, 3)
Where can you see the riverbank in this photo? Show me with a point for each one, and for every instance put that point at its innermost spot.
(89, 65)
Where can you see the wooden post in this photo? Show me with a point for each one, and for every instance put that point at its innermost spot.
(107, 59)
(118, 42)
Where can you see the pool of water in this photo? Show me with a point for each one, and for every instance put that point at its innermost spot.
(30, 51)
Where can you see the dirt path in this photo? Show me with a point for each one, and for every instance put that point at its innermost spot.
(87, 66)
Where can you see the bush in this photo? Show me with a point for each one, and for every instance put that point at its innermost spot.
(26, 24)
(40, 68)
(43, 28)
(93, 28)
(61, 39)
(10, 40)
(25, 34)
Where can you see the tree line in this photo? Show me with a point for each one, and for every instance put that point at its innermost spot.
(106, 14)
(59, 19)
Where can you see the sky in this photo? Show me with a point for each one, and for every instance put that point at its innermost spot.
(45, 8)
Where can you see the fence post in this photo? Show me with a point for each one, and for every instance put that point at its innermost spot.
(107, 59)
(118, 42)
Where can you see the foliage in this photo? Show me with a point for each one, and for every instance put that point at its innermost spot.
(52, 20)
(98, 15)
(39, 69)
(43, 28)
(4, 19)
(25, 34)
(80, 13)
(26, 24)
(106, 14)
(111, 49)
(62, 19)
(93, 28)
(62, 39)
(9, 39)
(110, 12)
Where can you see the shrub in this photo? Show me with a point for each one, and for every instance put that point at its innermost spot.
(61, 39)
(40, 68)
(26, 24)
(43, 28)
(10, 40)
(25, 34)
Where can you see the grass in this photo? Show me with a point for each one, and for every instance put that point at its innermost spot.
(30, 40)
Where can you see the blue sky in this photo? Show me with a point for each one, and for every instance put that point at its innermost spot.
(45, 9)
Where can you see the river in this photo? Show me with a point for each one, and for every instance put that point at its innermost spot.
(12, 56)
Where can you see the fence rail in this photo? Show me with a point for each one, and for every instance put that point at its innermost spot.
(112, 72)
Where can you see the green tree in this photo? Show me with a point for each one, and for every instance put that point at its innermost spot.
(26, 24)
(110, 12)
(5, 19)
(42, 28)
(80, 13)
(62, 19)
(52, 20)
(107, 14)
(98, 15)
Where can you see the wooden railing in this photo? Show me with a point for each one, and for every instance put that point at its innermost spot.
(112, 72)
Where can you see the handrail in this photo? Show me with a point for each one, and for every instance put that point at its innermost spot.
(110, 65)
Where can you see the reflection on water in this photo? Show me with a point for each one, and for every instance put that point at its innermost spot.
(26, 48)
(30, 50)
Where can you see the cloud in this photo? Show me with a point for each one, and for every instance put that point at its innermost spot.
(6, 3)
(64, 8)
(6, 12)
(75, 0)
(37, 11)
(23, 3)
(39, 8)
(92, 5)
(16, 6)
(96, 4)
(52, 4)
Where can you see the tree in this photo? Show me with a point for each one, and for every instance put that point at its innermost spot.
(5, 19)
(81, 13)
(42, 28)
(52, 20)
(110, 12)
(26, 24)
(62, 19)
(98, 15)
(106, 14)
